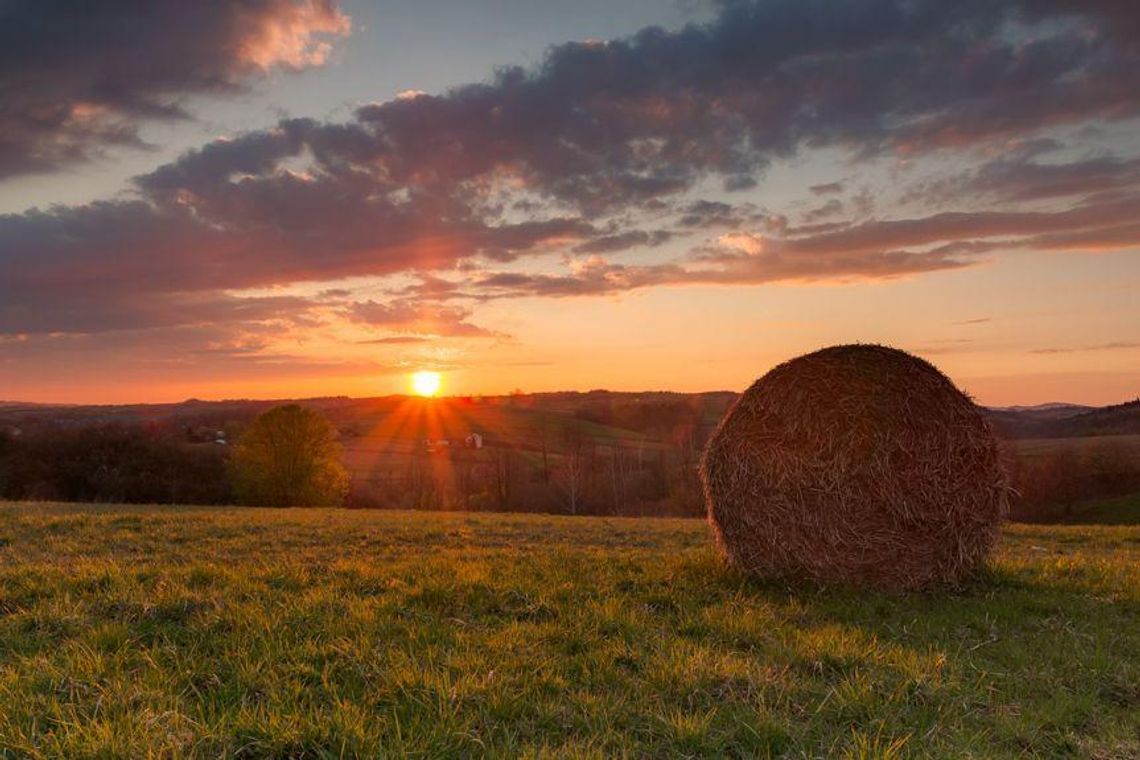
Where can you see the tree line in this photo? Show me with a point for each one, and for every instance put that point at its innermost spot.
(1050, 487)
(290, 455)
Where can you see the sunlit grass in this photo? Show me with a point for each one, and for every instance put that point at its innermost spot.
(328, 633)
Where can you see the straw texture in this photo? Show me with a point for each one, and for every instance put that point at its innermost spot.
(856, 464)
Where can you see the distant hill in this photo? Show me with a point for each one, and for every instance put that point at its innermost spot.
(536, 422)
(1055, 410)
(613, 415)
(1119, 419)
(1066, 420)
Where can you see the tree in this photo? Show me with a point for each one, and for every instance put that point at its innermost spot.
(574, 466)
(503, 474)
(289, 456)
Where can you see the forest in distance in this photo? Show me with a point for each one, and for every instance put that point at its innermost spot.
(599, 453)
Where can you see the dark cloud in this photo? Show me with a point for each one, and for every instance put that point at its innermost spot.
(96, 313)
(735, 183)
(1034, 181)
(872, 250)
(1017, 228)
(829, 188)
(819, 228)
(708, 214)
(1120, 18)
(742, 259)
(598, 149)
(1022, 178)
(623, 241)
(833, 207)
(605, 123)
(1114, 238)
(603, 126)
(100, 266)
(121, 266)
(77, 77)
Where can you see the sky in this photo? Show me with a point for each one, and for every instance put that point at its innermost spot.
(289, 198)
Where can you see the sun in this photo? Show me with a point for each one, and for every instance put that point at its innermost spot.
(425, 383)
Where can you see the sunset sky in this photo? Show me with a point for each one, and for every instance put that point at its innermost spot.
(286, 198)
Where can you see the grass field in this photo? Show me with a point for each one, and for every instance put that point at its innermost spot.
(1122, 510)
(159, 632)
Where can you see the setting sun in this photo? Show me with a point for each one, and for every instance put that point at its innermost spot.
(426, 383)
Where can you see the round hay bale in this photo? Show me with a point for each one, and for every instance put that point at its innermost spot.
(856, 464)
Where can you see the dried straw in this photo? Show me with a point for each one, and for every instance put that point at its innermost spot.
(856, 464)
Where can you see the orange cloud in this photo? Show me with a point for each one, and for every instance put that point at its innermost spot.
(291, 37)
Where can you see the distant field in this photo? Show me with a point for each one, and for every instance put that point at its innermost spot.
(1031, 447)
(1123, 510)
(180, 632)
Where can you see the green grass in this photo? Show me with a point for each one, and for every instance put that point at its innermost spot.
(160, 632)
(1122, 510)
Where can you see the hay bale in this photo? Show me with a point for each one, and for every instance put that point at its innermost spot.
(855, 464)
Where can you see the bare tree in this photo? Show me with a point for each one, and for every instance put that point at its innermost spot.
(503, 460)
(574, 464)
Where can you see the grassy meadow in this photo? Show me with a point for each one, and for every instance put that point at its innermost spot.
(1121, 510)
(208, 632)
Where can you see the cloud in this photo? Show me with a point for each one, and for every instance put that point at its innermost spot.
(395, 340)
(98, 265)
(708, 214)
(943, 347)
(876, 250)
(741, 259)
(966, 228)
(605, 125)
(1111, 238)
(96, 313)
(1023, 178)
(404, 316)
(1114, 346)
(205, 353)
(623, 241)
(833, 207)
(81, 77)
(828, 188)
(602, 148)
